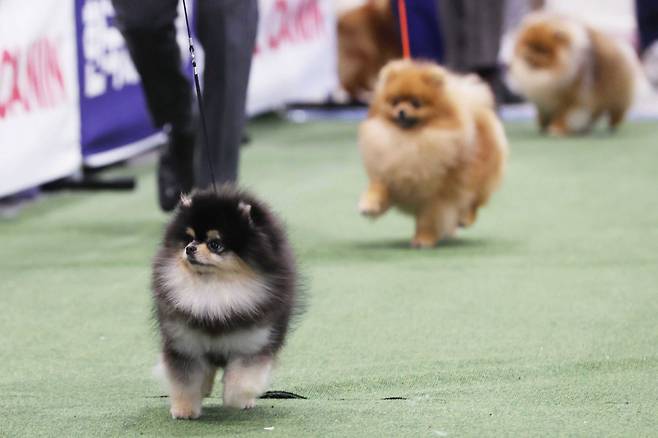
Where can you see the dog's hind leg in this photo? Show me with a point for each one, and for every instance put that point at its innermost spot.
(208, 381)
(543, 120)
(448, 221)
(245, 379)
(468, 215)
(615, 117)
(428, 218)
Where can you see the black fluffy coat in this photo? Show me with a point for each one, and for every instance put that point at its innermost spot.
(258, 238)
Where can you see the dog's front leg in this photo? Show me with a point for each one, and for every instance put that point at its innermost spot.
(427, 226)
(185, 377)
(245, 379)
(375, 200)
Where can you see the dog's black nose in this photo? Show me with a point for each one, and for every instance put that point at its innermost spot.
(190, 249)
(402, 115)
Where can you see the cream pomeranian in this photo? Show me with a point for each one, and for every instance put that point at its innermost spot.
(573, 73)
(432, 146)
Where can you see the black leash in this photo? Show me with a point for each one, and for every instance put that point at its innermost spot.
(202, 114)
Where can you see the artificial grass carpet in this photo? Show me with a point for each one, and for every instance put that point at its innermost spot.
(540, 320)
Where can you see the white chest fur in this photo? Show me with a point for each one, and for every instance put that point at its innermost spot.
(196, 343)
(416, 161)
(211, 296)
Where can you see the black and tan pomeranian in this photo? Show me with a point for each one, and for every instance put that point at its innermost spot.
(225, 288)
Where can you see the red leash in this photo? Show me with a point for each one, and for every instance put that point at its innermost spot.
(404, 31)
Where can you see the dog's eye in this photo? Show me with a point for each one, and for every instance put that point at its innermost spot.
(416, 103)
(215, 246)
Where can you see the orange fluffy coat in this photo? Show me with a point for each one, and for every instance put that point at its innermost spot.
(432, 146)
(573, 73)
(367, 39)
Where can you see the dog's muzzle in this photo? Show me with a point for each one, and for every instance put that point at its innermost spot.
(405, 121)
(190, 251)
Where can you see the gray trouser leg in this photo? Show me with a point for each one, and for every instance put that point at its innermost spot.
(485, 21)
(451, 18)
(145, 14)
(471, 32)
(150, 34)
(227, 31)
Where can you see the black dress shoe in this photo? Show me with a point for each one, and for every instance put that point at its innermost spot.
(175, 169)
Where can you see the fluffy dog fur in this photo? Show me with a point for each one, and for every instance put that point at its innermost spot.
(367, 39)
(432, 146)
(224, 289)
(573, 73)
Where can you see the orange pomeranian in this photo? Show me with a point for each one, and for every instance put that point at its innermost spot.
(432, 146)
(367, 39)
(573, 73)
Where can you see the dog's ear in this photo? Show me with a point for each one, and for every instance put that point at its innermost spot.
(435, 76)
(561, 37)
(390, 70)
(383, 7)
(245, 210)
(185, 200)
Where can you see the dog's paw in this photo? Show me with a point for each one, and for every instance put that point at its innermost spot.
(421, 242)
(185, 412)
(239, 401)
(557, 131)
(453, 233)
(370, 207)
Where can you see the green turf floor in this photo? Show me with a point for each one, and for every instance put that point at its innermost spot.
(540, 320)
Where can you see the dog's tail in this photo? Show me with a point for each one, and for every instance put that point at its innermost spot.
(476, 91)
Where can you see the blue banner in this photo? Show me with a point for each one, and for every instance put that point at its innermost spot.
(115, 123)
